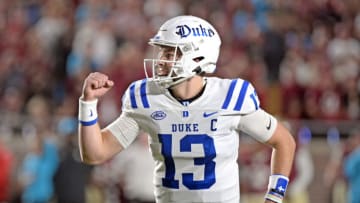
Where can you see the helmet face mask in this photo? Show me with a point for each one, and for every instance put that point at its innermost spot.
(194, 44)
(166, 67)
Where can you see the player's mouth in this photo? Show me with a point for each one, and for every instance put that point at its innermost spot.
(162, 71)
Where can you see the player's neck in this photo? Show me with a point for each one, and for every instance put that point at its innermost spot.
(189, 88)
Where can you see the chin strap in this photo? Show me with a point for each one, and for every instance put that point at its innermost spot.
(178, 81)
(197, 71)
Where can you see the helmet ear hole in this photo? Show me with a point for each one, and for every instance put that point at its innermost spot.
(197, 59)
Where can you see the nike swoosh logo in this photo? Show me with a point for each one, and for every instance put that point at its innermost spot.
(91, 113)
(209, 114)
(269, 126)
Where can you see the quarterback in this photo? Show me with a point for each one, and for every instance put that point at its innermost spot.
(193, 121)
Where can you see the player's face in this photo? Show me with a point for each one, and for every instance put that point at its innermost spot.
(167, 56)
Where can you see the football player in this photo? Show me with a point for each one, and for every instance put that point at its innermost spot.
(193, 121)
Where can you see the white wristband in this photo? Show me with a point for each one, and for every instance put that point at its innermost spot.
(87, 112)
(277, 188)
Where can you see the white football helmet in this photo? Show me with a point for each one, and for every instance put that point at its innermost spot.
(198, 42)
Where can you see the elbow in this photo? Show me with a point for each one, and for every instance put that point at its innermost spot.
(292, 143)
(285, 143)
(283, 139)
(91, 160)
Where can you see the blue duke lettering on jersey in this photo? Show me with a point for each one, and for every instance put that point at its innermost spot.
(191, 127)
(184, 31)
(213, 124)
(185, 127)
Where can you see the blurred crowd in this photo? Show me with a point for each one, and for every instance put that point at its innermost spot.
(303, 57)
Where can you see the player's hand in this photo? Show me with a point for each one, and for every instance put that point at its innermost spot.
(96, 85)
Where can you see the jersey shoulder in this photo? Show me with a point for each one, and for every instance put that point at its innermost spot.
(233, 95)
(137, 94)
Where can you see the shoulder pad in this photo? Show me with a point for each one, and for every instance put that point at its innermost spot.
(241, 97)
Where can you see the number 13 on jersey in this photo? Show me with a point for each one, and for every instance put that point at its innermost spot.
(207, 161)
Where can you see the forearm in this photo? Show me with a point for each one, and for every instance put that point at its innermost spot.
(96, 146)
(281, 163)
(90, 144)
(283, 151)
(281, 160)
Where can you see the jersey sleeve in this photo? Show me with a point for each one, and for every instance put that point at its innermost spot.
(243, 99)
(125, 128)
(126, 98)
(251, 101)
(259, 125)
(136, 96)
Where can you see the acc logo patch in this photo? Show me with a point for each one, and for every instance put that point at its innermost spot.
(158, 115)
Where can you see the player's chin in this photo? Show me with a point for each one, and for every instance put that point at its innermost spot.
(162, 72)
(162, 75)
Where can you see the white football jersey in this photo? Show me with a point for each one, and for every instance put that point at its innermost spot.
(194, 145)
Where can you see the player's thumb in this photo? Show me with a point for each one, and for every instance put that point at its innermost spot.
(109, 83)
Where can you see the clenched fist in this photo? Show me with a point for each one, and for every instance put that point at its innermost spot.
(95, 85)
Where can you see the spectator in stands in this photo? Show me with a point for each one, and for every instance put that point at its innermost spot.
(7, 166)
(303, 169)
(254, 160)
(333, 176)
(41, 161)
(134, 162)
(352, 167)
(72, 177)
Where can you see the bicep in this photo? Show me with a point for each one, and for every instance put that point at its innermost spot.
(124, 130)
(112, 145)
